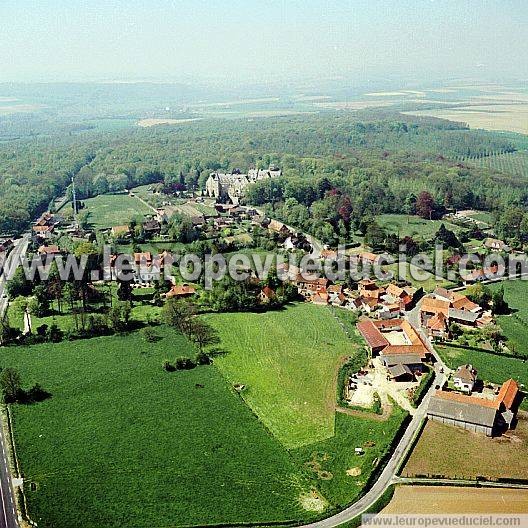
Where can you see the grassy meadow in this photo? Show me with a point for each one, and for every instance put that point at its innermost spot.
(288, 361)
(332, 465)
(411, 271)
(515, 325)
(121, 442)
(414, 226)
(108, 210)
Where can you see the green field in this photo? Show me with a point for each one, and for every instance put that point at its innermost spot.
(515, 326)
(490, 367)
(289, 361)
(414, 226)
(108, 210)
(412, 271)
(121, 442)
(336, 455)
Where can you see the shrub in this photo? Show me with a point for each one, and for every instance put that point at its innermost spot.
(203, 359)
(183, 363)
(168, 366)
(149, 335)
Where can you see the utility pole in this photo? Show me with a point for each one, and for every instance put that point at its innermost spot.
(74, 199)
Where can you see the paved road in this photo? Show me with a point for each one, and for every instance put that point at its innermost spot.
(8, 516)
(10, 266)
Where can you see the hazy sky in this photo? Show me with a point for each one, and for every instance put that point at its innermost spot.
(57, 40)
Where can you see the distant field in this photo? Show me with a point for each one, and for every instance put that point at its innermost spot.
(447, 499)
(108, 210)
(408, 225)
(493, 116)
(468, 455)
(289, 361)
(121, 442)
(149, 122)
(513, 163)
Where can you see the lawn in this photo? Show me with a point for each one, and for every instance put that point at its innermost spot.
(288, 361)
(414, 226)
(490, 367)
(121, 442)
(411, 271)
(470, 454)
(108, 210)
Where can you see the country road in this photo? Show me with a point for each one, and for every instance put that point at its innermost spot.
(10, 266)
(8, 515)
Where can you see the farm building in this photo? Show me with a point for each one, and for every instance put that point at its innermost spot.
(398, 345)
(444, 307)
(480, 415)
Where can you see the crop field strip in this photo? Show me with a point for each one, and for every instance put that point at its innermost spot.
(513, 163)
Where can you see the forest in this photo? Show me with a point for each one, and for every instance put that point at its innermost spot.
(380, 161)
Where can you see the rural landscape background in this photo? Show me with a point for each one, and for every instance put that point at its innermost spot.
(263, 130)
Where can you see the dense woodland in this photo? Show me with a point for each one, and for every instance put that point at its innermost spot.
(360, 164)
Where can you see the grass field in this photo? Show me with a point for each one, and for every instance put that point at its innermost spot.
(121, 442)
(515, 326)
(468, 454)
(408, 225)
(108, 210)
(289, 361)
(490, 367)
(341, 474)
(447, 499)
(411, 271)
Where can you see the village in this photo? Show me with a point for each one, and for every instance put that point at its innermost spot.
(399, 322)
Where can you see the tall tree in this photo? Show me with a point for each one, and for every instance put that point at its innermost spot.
(425, 205)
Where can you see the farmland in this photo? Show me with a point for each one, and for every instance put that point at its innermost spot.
(447, 499)
(332, 464)
(161, 445)
(470, 454)
(513, 163)
(108, 210)
(288, 361)
(488, 115)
